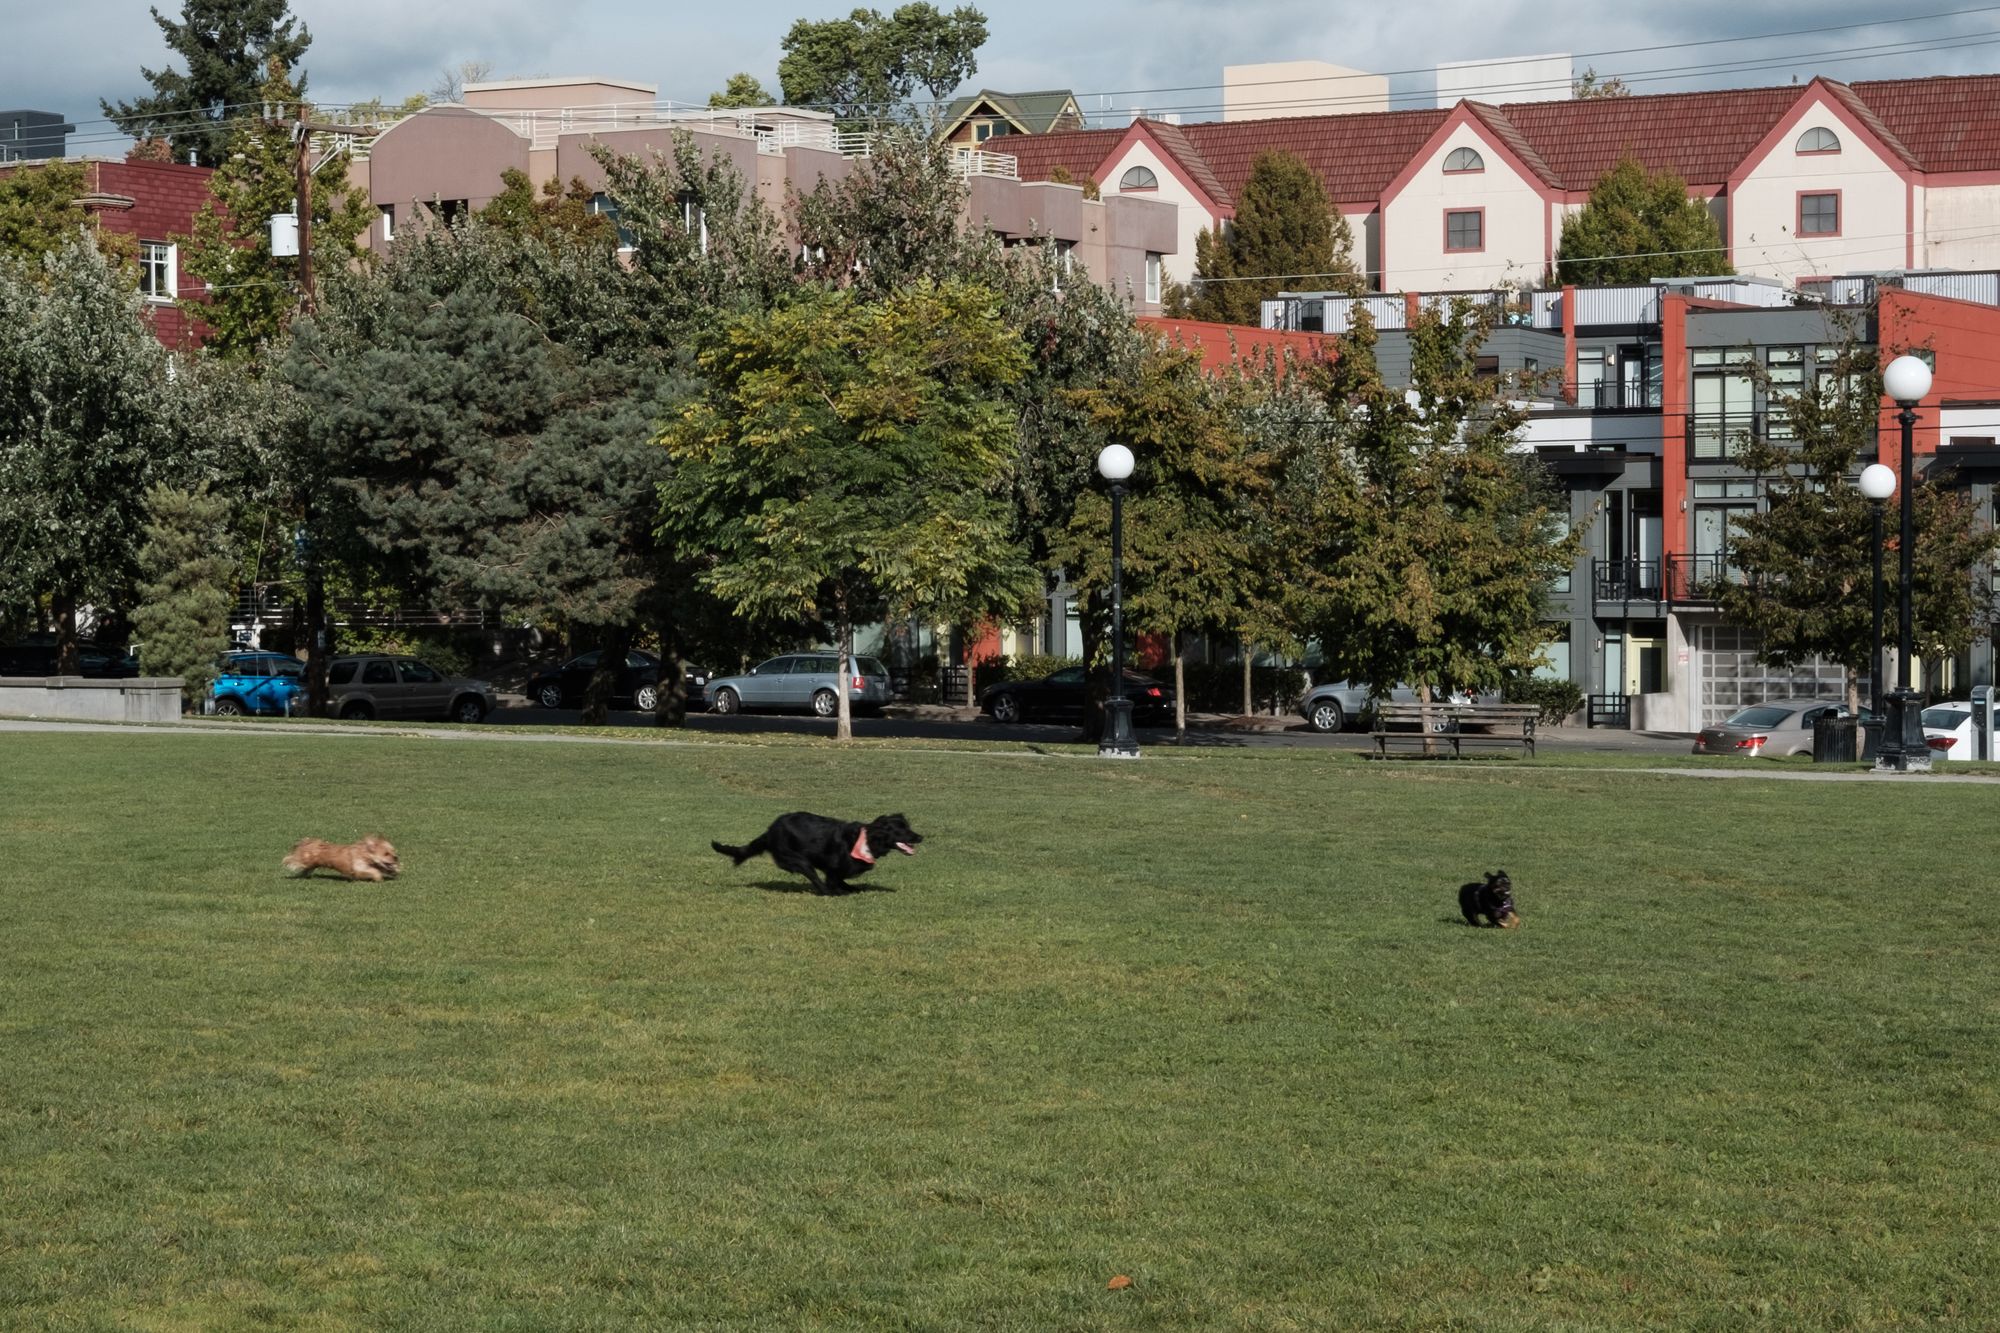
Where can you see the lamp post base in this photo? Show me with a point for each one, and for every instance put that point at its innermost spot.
(1903, 748)
(1118, 741)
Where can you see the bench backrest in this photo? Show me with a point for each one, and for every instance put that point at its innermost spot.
(1525, 714)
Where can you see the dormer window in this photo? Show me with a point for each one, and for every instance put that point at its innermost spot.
(1139, 178)
(1818, 140)
(1464, 159)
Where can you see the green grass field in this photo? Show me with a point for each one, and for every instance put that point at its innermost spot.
(1209, 1021)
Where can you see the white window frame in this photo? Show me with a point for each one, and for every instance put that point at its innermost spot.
(388, 214)
(1463, 161)
(1818, 139)
(1141, 177)
(1152, 278)
(164, 259)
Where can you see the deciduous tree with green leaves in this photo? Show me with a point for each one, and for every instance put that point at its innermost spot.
(1806, 558)
(247, 295)
(1287, 234)
(742, 90)
(88, 419)
(1429, 543)
(182, 616)
(864, 67)
(849, 459)
(227, 46)
(1637, 226)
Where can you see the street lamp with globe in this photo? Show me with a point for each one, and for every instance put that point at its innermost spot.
(1878, 483)
(1906, 380)
(1114, 464)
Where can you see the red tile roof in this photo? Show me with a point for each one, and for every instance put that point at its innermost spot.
(1080, 152)
(1934, 124)
(1175, 141)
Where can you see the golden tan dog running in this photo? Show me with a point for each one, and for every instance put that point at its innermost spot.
(372, 858)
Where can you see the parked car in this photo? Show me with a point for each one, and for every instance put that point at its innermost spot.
(638, 684)
(803, 681)
(266, 684)
(1062, 697)
(36, 656)
(379, 685)
(1948, 730)
(1341, 704)
(1775, 728)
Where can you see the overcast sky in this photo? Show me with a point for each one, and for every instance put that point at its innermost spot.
(1164, 55)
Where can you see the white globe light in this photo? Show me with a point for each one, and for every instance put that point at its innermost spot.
(1878, 481)
(1114, 462)
(1907, 379)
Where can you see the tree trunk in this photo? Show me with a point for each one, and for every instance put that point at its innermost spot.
(971, 690)
(844, 729)
(1249, 692)
(1096, 625)
(69, 660)
(670, 704)
(614, 643)
(1180, 690)
(1424, 720)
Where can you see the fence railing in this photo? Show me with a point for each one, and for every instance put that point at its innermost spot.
(1675, 580)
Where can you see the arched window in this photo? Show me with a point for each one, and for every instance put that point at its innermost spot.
(1819, 141)
(1139, 178)
(1464, 159)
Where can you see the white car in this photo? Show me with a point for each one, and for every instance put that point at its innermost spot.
(1948, 730)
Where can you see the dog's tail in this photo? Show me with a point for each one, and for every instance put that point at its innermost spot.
(741, 854)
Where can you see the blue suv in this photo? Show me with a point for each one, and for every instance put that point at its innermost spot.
(273, 684)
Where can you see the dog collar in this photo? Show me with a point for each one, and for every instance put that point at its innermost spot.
(861, 852)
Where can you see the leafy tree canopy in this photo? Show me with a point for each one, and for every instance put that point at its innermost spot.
(1287, 235)
(862, 67)
(742, 90)
(1592, 84)
(1636, 227)
(182, 616)
(227, 45)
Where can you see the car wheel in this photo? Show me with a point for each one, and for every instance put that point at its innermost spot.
(1006, 709)
(825, 703)
(1326, 715)
(647, 697)
(469, 709)
(357, 710)
(230, 708)
(726, 702)
(549, 696)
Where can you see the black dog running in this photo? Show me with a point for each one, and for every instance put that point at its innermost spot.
(815, 846)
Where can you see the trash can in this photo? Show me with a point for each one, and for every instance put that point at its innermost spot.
(1834, 739)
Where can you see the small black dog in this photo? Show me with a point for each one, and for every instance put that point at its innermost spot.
(1493, 900)
(813, 845)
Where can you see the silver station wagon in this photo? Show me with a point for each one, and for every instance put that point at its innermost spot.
(801, 682)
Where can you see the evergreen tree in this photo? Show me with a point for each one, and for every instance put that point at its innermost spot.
(1806, 560)
(87, 421)
(1287, 235)
(742, 90)
(1636, 227)
(1429, 543)
(182, 616)
(848, 460)
(862, 67)
(227, 46)
(250, 293)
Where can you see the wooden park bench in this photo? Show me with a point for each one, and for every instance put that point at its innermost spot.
(1449, 728)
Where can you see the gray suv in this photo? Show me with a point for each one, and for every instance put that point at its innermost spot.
(804, 682)
(372, 685)
(1340, 704)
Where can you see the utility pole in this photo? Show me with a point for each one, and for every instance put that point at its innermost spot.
(319, 639)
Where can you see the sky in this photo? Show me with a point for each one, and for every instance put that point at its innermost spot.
(1164, 56)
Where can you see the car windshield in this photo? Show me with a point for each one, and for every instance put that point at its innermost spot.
(1764, 715)
(1945, 717)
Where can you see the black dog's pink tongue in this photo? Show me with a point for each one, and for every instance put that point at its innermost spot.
(906, 849)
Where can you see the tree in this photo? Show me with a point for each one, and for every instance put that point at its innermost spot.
(451, 80)
(1189, 559)
(557, 212)
(1287, 234)
(87, 422)
(40, 210)
(1636, 227)
(1806, 560)
(227, 46)
(1590, 84)
(742, 90)
(849, 459)
(182, 616)
(1429, 542)
(534, 493)
(864, 66)
(247, 294)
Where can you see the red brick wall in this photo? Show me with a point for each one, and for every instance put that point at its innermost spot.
(166, 197)
(1225, 344)
(1966, 340)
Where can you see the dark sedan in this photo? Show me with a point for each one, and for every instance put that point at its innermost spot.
(638, 685)
(1061, 698)
(36, 656)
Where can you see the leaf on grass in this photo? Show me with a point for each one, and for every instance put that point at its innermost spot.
(1118, 1283)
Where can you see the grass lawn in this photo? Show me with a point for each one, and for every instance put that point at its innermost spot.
(1209, 1020)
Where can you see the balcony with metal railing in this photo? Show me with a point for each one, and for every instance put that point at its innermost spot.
(1661, 583)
